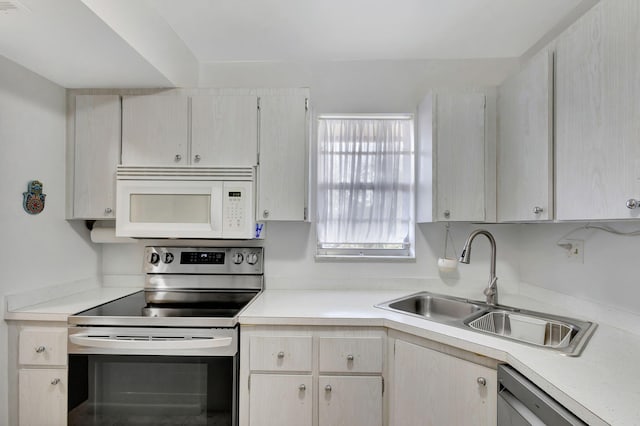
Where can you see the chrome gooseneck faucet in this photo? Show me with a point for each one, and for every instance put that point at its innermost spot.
(492, 289)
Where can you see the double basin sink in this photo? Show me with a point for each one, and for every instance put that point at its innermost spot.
(568, 336)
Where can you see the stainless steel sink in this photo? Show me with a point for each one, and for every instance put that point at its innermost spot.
(435, 307)
(566, 335)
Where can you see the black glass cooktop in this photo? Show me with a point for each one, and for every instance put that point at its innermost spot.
(226, 304)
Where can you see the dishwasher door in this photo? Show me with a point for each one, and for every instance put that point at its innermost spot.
(521, 403)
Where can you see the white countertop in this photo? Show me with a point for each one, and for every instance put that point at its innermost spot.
(601, 386)
(58, 309)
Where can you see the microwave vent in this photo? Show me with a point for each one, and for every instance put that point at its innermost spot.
(185, 173)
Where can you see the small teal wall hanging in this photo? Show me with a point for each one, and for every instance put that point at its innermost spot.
(33, 199)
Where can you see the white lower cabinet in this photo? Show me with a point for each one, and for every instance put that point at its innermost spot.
(435, 388)
(281, 399)
(316, 376)
(42, 397)
(38, 373)
(350, 401)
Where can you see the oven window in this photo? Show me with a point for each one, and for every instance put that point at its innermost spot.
(151, 390)
(170, 208)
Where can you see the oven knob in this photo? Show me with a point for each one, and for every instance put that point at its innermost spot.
(167, 258)
(154, 258)
(237, 258)
(252, 258)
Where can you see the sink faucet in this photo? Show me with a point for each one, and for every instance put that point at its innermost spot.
(492, 289)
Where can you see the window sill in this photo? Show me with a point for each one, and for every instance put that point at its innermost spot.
(363, 258)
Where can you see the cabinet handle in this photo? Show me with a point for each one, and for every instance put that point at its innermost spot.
(178, 157)
(537, 210)
(349, 357)
(280, 354)
(196, 158)
(40, 349)
(265, 214)
(302, 388)
(482, 381)
(327, 388)
(55, 381)
(108, 210)
(632, 203)
(447, 213)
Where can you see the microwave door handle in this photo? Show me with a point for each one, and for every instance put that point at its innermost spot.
(110, 343)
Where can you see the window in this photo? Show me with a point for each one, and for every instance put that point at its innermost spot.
(365, 186)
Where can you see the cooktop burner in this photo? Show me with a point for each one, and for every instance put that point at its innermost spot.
(217, 304)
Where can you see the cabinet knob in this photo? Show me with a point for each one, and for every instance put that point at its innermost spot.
(197, 158)
(108, 210)
(265, 214)
(482, 381)
(280, 354)
(55, 381)
(447, 214)
(302, 388)
(349, 357)
(632, 203)
(178, 157)
(537, 210)
(327, 388)
(40, 349)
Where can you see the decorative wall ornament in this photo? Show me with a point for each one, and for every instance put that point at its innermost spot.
(33, 199)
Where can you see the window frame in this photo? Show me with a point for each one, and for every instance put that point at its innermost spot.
(407, 252)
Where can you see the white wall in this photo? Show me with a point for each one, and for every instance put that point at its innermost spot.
(610, 273)
(39, 250)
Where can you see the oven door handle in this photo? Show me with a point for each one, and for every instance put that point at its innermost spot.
(160, 344)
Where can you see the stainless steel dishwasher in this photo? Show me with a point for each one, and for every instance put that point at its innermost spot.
(521, 403)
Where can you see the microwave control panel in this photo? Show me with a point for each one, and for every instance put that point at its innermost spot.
(237, 202)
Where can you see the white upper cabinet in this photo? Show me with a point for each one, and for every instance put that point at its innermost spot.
(199, 130)
(96, 153)
(597, 131)
(525, 167)
(283, 146)
(224, 130)
(155, 130)
(455, 157)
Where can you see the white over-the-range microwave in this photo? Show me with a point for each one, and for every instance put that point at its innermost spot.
(186, 202)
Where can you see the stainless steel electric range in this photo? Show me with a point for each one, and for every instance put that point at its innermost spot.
(168, 354)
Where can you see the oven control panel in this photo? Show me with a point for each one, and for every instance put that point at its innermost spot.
(203, 260)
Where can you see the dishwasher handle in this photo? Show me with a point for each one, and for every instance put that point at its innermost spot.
(526, 399)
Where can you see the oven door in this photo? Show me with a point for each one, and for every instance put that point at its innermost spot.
(145, 376)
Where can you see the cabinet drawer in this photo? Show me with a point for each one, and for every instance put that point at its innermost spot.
(43, 346)
(350, 355)
(280, 353)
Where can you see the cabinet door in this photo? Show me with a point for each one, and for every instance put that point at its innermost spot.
(155, 130)
(432, 388)
(460, 157)
(282, 173)
(277, 400)
(525, 168)
(597, 91)
(97, 153)
(350, 401)
(42, 397)
(224, 130)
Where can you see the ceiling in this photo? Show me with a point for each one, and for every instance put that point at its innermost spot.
(156, 43)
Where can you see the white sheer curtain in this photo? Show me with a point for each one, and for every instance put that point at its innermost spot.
(365, 184)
